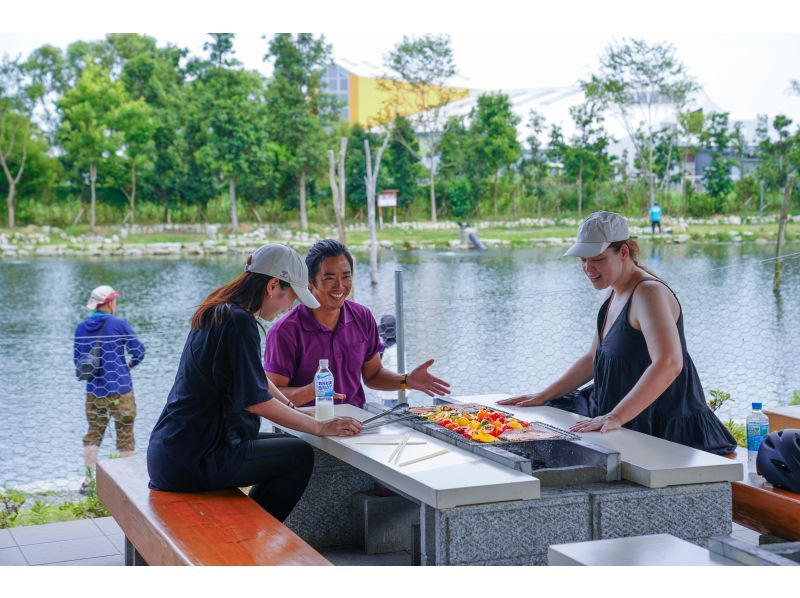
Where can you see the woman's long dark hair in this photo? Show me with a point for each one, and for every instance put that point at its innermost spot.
(246, 291)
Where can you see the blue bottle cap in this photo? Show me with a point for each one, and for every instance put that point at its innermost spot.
(756, 406)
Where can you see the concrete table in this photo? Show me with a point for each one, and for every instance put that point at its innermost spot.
(646, 460)
(472, 511)
(657, 549)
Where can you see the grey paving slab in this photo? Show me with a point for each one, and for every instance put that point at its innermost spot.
(118, 540)
(68, 550)
(356, 556)
(55, 532)
(108, 526)
(6, 539)
(12, 556)
(113, 560)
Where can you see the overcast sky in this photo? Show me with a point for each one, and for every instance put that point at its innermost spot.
(744, 58)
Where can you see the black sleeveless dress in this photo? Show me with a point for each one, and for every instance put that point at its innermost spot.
(680, 414)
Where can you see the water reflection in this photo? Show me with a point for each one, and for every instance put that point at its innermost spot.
(499, 321)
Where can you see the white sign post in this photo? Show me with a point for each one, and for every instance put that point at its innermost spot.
(387, 199)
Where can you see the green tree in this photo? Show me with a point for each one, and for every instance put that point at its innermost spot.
(717, 174)
(155, 75)
(641, 84)
(234, 115)
(87, 131)
(494, 129)
(460, 173)
(135, 121)
(690, 126)
(299, 111)
(419, 69)
(584, 158)
(15, 128)
(47, 69)
(775, 154)
(402, 165)
(533, 166)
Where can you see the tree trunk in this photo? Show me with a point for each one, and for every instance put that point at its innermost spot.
(433, 192)
(93, 185)
(580, 191)
(303, 212)
(132, 197)
(494, 191)
(337, 188)
(12, 187)
(650, 180)
(371, 181)
(234, 213)
(342, 184)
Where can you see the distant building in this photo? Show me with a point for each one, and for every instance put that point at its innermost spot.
(363, 92)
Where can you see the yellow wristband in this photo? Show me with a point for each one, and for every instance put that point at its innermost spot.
(404, 382)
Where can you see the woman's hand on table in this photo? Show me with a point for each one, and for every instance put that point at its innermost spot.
(340, 426)
(531, 400)
(603, 423)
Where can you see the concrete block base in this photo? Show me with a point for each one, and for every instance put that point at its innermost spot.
(324, 515)
(384, 523)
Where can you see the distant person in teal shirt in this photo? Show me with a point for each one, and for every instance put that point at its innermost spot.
(655, 218)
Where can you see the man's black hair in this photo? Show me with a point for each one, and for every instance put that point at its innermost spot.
(325, 249)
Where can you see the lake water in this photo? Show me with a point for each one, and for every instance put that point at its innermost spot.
(499, 321)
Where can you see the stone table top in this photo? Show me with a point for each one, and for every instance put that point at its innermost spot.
(453, 479)
(646, 460)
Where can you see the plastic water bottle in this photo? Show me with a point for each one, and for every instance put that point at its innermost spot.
(757, 429)
(323, 390)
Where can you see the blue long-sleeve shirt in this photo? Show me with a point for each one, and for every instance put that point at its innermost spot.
(117, 339)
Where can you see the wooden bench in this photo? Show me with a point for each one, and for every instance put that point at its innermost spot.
(763, 508)
(781, 418)
(224, 527)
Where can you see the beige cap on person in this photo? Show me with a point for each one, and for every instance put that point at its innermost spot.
(597, 232)
(101, 295)
(285, 264)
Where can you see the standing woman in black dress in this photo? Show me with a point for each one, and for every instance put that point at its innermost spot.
(207, 437)
(643, 376)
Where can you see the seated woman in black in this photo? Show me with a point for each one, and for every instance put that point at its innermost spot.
(643, 376)
(207, 436)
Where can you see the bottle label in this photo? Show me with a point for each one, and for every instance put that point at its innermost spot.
(323, 385)
(756, 431)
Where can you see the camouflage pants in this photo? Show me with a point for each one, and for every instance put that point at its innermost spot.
(98, 411)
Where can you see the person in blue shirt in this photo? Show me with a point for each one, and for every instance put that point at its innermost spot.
(655, 218)
(109, 392)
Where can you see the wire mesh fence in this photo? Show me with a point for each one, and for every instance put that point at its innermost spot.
(495, 322)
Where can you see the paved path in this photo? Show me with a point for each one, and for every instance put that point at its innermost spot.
(101, 542)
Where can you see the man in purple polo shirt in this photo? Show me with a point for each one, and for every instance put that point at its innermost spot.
(341, 331)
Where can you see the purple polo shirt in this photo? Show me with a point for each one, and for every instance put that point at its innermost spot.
(297, 342)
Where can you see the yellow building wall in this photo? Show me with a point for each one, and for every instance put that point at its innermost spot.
(368, 100)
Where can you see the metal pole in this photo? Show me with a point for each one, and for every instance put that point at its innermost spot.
(401, 332)
(761, 203)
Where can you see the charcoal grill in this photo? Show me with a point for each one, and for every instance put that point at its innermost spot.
(565, 460)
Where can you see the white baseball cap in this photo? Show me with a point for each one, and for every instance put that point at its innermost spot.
(101, 295)
(597, 232)
(285, 264)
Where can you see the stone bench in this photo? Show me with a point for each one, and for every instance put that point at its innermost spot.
(224, 527)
